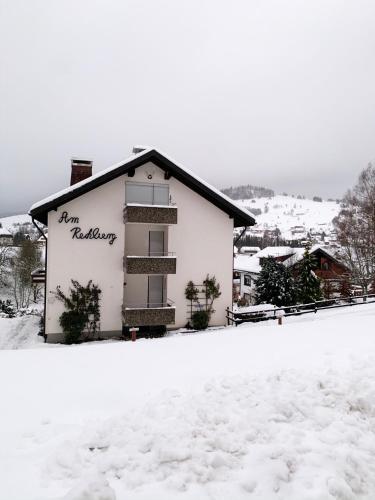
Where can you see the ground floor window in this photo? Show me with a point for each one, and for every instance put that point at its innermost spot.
(247, 280)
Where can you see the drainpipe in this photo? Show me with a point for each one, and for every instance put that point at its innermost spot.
(234, 244)
(240, 236)
(45, 282)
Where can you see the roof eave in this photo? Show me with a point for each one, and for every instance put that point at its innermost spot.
(239, 218)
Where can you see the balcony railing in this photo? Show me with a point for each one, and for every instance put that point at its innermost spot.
(149, 314)
(154, 263)
(150, 214)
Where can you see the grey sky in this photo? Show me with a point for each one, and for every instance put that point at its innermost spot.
(270, 92)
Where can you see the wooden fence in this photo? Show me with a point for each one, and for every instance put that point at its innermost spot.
(237, 317)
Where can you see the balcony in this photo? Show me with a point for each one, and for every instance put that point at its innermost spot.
(150, 214)
(149, 314)
(164, 263)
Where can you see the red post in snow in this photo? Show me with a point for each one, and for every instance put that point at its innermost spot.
(133, 332)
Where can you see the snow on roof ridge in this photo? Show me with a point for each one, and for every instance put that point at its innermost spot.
(275, 251)
(299, 251)
(124, 162)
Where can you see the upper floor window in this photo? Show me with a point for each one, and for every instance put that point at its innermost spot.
(147, 193)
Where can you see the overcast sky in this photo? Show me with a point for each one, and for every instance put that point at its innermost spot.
(267, 92)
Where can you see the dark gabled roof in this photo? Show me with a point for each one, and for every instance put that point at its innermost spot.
(39, 210)
(328, 255)
(295, 259)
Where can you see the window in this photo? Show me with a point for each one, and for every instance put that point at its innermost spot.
(147, 193)
(325, 266)
(247, 280)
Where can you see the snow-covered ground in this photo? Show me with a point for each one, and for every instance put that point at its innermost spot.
(255, 412)
(20, 333)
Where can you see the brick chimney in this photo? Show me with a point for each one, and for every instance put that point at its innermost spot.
(81, 169)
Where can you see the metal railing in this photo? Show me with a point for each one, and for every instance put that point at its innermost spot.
(149, 305)
(238, 317)
(154, 254)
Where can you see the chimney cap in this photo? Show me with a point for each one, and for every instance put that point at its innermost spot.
(82, 161)
(139, 149)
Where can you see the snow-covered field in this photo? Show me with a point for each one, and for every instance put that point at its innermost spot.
(255, 412)
(286, 212)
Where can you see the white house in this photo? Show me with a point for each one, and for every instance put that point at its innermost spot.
(140, 230)
(246, 271)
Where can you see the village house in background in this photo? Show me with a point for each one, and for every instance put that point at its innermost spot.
(249, 250)
(140, 230)
(329, 269)
(6, 237)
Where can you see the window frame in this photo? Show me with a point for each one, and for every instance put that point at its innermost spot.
(246, 278)
(151, 186)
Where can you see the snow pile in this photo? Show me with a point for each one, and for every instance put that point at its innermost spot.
(20, 333)
(260, 411)
(277, 436)
(91, 489)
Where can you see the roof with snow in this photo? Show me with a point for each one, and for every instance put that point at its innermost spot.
(246, 263)
(298, 255)
(241, 217)
(4, 232)
(250, 249)
(275, 252)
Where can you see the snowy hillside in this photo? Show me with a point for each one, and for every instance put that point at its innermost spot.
(293, 217)
(261, 412)
(13, 221)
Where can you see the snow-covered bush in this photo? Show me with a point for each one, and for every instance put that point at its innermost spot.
(242, 302)
(7, 309)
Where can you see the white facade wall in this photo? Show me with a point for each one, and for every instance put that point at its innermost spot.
(246, 290)
(83, 260)
(202, 241)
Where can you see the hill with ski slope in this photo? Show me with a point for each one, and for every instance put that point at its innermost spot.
(21, 224)
(12, 222)
(295, 218)
(273, 412)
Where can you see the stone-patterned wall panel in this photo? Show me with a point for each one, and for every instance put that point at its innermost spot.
(150, 214)
(146, 317)
(151, 265)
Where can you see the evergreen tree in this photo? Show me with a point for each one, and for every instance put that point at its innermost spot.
(275, 284)
(308, 284)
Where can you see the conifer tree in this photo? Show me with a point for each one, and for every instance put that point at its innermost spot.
(308, 284)
(275, 284)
